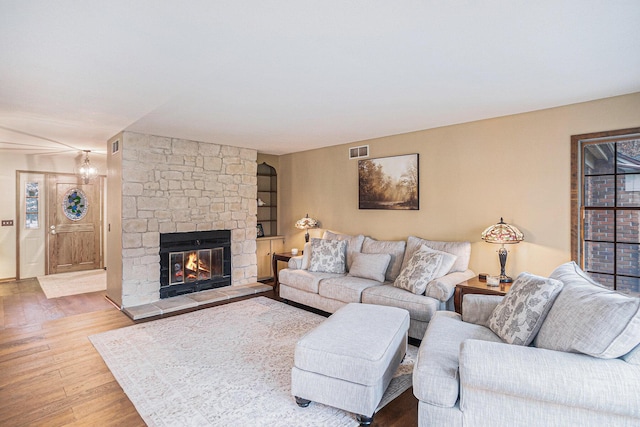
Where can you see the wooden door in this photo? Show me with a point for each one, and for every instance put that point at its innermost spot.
(73, 224)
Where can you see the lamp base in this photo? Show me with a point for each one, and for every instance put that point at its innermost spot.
(505, 279)
(502, 255)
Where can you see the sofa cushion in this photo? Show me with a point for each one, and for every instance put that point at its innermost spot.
(391, 247)
(460, 249)
(345, 288)
(370, 266)
(477, 308)
(435, 374)
(420, 307)
(328, 256)
(633, 356)
(304, 280)
(354, 244)
(570, 272)
(419, 271)
(588, 318)
(519, 316)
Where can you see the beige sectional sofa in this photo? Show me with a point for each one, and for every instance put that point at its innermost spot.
(390, 273)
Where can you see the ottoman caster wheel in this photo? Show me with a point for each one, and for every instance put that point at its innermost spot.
(303, 403)
(364, 420)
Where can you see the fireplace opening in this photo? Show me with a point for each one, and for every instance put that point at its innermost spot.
(194, 261)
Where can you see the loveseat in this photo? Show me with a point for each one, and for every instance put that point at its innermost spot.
(557, 351)
(418, 275)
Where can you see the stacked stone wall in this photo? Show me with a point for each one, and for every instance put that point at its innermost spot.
(175, 185)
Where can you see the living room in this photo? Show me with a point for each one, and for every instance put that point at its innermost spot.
(496, 159)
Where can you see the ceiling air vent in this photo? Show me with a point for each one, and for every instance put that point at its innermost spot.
(359, 152)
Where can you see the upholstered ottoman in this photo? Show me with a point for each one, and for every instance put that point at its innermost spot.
(348, 361)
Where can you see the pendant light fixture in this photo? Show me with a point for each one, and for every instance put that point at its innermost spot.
(87, 171)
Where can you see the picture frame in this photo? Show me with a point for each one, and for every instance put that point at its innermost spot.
(260, 230)
(389, 183)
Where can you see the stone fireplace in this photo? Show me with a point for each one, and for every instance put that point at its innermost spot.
(158, 186)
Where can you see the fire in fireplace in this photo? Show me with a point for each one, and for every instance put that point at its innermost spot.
(194, 261)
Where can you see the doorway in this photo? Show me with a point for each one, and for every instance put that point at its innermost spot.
(65, 234)
(73, 224)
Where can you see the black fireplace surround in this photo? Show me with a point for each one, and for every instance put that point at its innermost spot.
(194, 261)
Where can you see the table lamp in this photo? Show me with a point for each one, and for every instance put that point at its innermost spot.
(502, 234)
(305, 224)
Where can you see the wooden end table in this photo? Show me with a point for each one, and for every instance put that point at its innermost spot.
(475, 286)
(285, 256)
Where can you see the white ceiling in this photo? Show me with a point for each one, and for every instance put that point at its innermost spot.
(286, 76)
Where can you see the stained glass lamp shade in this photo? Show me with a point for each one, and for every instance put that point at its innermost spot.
(503, 234)
(305, 224)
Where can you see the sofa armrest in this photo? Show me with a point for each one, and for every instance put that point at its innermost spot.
(546, 376)
(295, 262)
(442, 288)
(301, 262)
(477, 308)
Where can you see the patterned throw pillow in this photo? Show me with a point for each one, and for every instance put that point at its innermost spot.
(447, 261)
(419, 271)
(328, 256)
(354, 244)
(460, 249)
(519, 316)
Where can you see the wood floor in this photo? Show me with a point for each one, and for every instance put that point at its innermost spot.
(50, 374)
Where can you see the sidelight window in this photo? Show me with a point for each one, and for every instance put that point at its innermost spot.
(32, 202)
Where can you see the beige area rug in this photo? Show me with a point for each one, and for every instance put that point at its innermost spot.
(78, 282)
(223, 366)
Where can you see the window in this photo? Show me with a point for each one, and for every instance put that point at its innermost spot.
(32, 195)
(606, 207)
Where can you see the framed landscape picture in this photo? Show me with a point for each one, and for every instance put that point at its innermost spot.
(389, 183)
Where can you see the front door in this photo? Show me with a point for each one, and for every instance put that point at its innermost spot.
(73, 224)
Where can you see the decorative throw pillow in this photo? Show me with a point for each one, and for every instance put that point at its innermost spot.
(519, 316)
(447, 261)
(395, 248)
(419, 271)
(589, 318)
(354, 243)
(328, 256)
(370, 266)
(460, 249)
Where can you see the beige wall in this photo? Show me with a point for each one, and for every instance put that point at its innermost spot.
(67, 162)
(516, 167)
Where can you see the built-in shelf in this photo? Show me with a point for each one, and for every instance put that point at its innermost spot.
(268, 193)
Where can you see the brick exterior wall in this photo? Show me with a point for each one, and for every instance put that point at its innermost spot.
(603, 226)
(176, 185)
